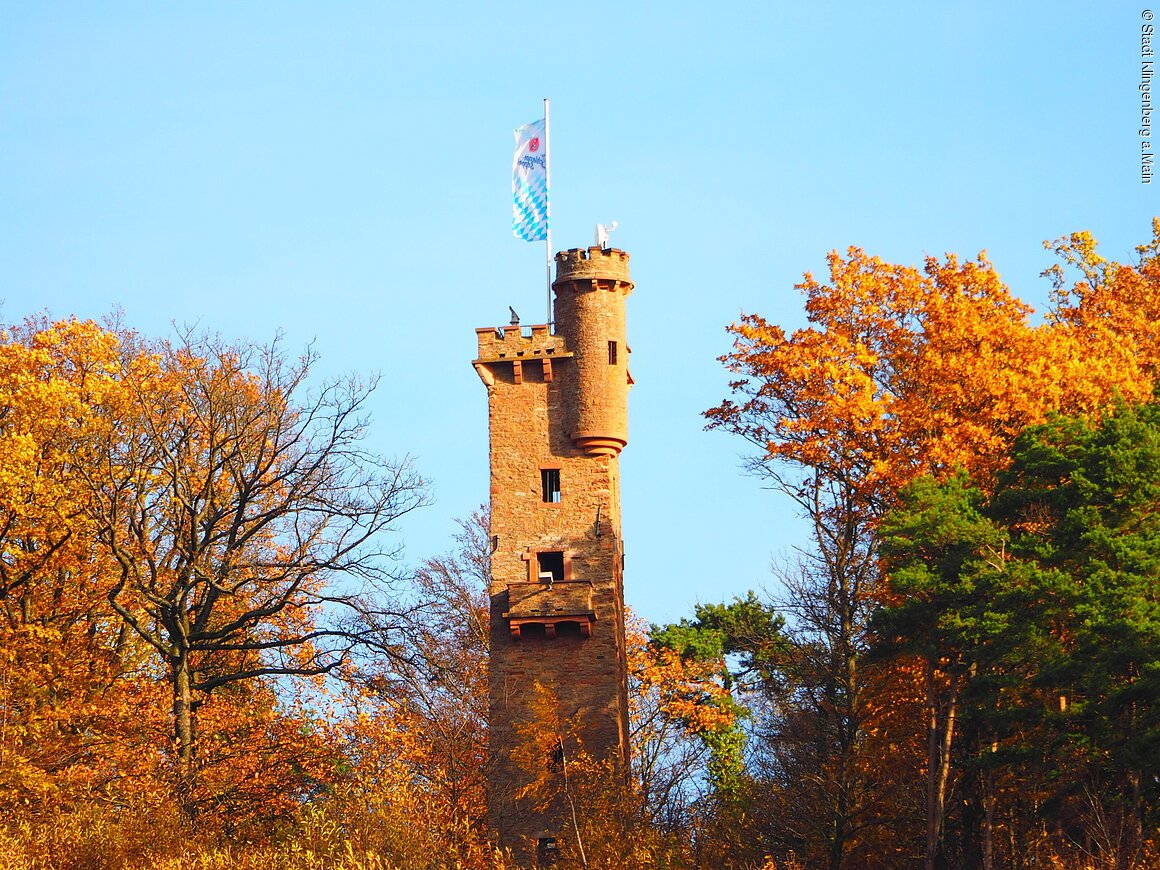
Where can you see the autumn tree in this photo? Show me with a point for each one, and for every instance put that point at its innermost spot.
(684, 737)
(424, 682)
(445, 675)
(811, 743)
(845, 411)
(605, 818)
(745, 629)
(1113, 307)
(73, 681)
(233, 503)
(904, 372)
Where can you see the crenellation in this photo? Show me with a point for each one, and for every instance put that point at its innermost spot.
(607, 264)
(507, 342)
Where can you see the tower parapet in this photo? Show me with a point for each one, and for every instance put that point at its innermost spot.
(591, 286)
(599, 263)
(518, 345)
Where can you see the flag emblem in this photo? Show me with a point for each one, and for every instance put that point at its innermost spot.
(530, 184)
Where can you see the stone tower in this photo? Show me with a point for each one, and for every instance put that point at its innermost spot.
(558, 419)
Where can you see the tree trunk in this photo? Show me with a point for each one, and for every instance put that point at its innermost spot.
(988, 832)
(1132, 827)
(847, 742)
(838, 843)
(939, 737)
(572, 805)
(183, 732)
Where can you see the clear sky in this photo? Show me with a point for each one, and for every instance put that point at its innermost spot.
(341, 172)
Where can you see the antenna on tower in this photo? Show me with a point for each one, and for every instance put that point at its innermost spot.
(603, 231)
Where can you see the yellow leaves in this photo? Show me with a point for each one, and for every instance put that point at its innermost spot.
(158, 442)
(1111, 307)
(672, 700)
(548, 743)
(688, 692)
(903, 372)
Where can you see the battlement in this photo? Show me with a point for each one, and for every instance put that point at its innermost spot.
(608, 264)
(519, 343)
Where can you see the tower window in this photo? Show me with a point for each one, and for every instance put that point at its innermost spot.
(612, 353)
(551, 562)
(550, 484)
(547, 852)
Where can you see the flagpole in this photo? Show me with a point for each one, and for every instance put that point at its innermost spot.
(548, 186)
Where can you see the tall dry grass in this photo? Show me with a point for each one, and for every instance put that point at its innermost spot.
(93, 839)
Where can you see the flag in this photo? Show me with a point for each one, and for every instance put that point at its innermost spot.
(530, 183)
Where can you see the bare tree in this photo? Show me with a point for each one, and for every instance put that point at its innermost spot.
(819, 709)
(231, 501)
(817, 704)
(437, 667)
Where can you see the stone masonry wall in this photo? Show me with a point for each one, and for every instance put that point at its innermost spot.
(533, 409)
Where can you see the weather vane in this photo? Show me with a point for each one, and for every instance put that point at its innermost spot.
(603, 231)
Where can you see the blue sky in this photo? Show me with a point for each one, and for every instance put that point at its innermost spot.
(341, 172)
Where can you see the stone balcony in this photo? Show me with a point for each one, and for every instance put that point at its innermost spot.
(549, 605)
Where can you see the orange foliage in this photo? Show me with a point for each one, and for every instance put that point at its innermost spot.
(72, 682)
(116, 452)
(605, 821)
(1111, 305)
(669, 689)
(122, 467)
(905, 371)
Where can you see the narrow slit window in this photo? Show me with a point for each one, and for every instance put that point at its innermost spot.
(556, 757)
(550, 484)
(612, 353)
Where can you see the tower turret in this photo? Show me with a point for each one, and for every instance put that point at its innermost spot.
(591, 287)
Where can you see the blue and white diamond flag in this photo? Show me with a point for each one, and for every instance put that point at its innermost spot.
(530, 183)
